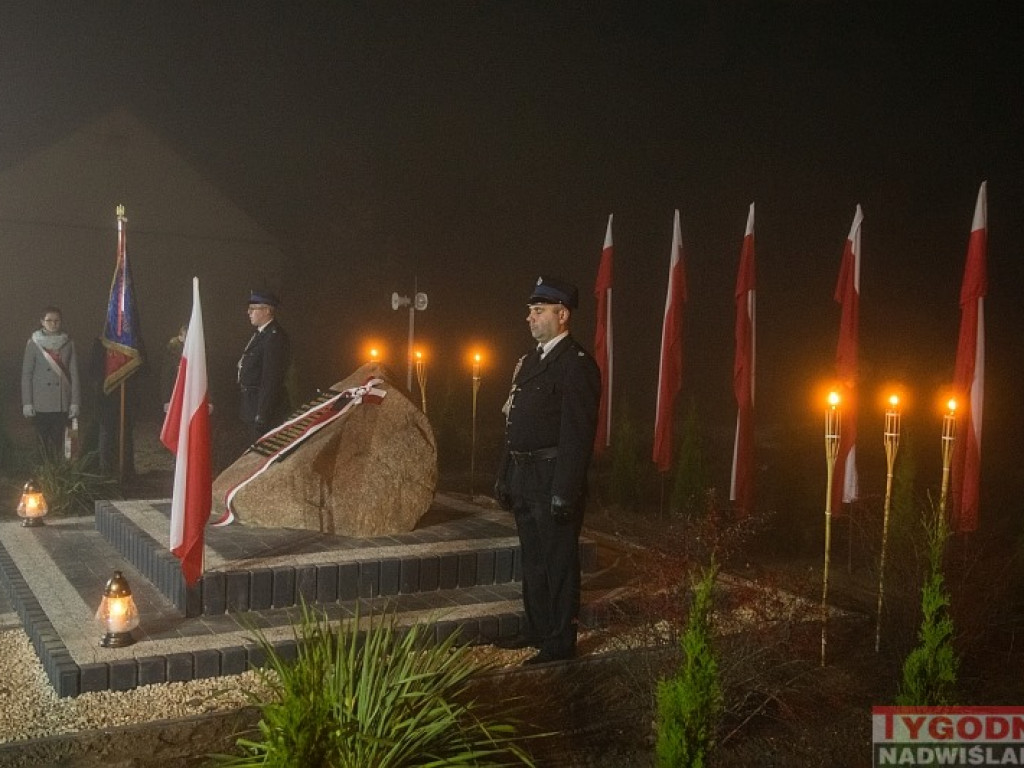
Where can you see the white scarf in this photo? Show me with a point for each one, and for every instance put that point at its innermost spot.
(53, 343)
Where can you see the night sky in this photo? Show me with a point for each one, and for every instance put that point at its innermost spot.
(470, 146)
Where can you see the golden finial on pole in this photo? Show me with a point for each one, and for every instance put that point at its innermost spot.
(832, 431)
(120, 213)
(891, 438)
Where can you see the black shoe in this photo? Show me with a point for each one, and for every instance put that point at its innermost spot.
(543, 657)
(516, 642)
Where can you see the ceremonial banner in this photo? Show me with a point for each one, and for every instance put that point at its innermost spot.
(845, 487)
(186, 433)
(969, 374)
(741, 487)
(603, 352)
(670, 369)
(121, 337)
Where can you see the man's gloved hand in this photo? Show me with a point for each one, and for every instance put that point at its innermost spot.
(502, 496)
(561, 510)
(73, 411)
(28, 410)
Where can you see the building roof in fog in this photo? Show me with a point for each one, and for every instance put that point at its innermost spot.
(58, 237)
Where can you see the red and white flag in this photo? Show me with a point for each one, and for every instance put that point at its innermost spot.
(741, 488)
(969, 374)
(603, 352)
(845, 487)
(186, 433)
(670, 369)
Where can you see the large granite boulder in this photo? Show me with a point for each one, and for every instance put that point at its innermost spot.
(370, 472)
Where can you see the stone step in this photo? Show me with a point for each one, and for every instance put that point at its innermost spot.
(250, 568)
(458, 572)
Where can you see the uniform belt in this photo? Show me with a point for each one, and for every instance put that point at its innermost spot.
(541, 454)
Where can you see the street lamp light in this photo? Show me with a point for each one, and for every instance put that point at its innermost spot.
(832, 432)
(472, 448)
(891, 438)
(417, 303)
(421, 378)
(948, 438)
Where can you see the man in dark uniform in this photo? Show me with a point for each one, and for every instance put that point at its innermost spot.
(551, 417)
(262, 368)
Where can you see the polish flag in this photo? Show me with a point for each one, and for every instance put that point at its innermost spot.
(845, 487)
(603, 343)
(969, 373)
(670, 369)
(741, 488)
(186, 433)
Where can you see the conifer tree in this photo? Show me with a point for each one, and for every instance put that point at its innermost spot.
(930, 670)
(690, 703)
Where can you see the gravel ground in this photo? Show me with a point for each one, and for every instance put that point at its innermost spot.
(29, 707)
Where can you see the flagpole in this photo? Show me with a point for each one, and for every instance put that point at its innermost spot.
(891, 438)
(832, 435)
(120, 440)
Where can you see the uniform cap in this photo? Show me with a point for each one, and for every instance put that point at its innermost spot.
(263, 297)
(552, 290)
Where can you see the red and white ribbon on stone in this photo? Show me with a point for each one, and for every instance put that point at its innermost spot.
(317, 418)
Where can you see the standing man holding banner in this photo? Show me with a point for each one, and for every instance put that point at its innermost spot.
(262, 368)
(551, 419)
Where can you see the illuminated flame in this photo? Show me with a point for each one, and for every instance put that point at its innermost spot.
(833, 399)
(118, 608)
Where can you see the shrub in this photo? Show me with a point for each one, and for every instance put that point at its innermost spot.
(689, 704)
(929, 671)
(71, 486)
(623, 483)
(376, 698)
(691, 480)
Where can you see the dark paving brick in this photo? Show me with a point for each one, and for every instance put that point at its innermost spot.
(245, 600)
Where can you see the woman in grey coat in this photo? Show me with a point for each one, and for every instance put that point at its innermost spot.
(49, 381)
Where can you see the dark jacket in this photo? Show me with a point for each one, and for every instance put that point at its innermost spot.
(261, 375)
(553, 404)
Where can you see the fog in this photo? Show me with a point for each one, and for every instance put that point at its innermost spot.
(464, 149)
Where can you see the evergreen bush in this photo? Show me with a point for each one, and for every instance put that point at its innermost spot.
(930, 670)
(690, 703)
(623, 483)
(691, 481)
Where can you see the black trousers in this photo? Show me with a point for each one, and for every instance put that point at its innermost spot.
(551, 560)
(50, 429)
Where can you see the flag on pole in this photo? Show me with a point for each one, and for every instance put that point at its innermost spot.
(121, 338)
(186, 433)
(969, 373)
(845, 487)
(603, 351)
(670, 368)
(741, 488)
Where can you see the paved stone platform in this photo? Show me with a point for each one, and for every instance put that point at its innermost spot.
(458, 570)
